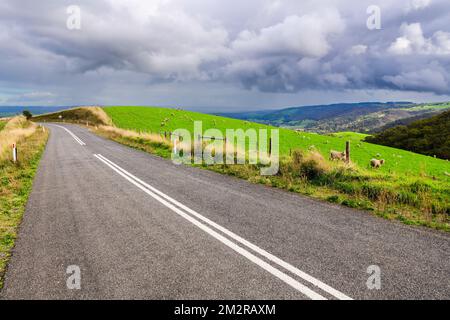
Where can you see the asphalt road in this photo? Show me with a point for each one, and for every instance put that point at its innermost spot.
(140, 227)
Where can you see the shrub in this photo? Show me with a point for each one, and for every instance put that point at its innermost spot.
(372, 191)
(333, 199)
(313, 166)
(311, 170)
(290, 167)
(350, 203)
(419, 186)
(406, 197)
(360, 204)
(27, 114)
(297, 157)
(347, 187)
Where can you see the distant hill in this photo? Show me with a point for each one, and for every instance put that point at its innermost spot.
(8, 111)
(429, 136)
(359, 117)
(404, 121)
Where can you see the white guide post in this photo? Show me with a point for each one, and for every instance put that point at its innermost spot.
(14, 151)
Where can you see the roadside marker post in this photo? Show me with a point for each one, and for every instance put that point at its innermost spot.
(175, 145)
(14, 150)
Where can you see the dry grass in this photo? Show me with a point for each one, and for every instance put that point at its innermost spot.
(16, 181)
(129, 134)
(321, 163)
(15, 131)
(101, 115)
(226, 148)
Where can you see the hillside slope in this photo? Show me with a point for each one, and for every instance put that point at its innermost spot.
(162, 119)
(410, 187)
(358, 117)
(429, 136)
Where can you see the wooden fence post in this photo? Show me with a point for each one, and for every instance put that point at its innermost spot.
(347, 152)
(270, 147)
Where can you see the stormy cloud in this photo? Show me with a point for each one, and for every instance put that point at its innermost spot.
(176, 50)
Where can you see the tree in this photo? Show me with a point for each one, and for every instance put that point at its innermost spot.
(27, 114)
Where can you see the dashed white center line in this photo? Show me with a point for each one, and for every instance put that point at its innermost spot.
(73, 135)
(189, 215)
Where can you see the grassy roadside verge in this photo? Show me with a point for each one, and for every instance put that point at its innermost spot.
(2, 124)
(411, 188)
(413, 203)
(16, 181)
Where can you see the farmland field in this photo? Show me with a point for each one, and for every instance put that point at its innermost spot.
(428, 107)
(398, 162)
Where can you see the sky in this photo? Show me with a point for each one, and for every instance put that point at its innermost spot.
(218, 55)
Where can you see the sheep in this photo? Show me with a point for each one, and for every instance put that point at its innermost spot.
(375, 163)
(336, 155)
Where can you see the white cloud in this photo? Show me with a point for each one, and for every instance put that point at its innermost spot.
(413, 41)
(269, 46)
(418, 4)
(421, 80)
(32, 97)
(305, 35)
(358, 49)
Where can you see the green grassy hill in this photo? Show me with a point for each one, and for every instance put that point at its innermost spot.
(398, 162)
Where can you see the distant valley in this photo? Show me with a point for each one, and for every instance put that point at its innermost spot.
(364, 117)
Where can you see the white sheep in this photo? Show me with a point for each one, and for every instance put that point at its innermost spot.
(375, 163)
(336, 155)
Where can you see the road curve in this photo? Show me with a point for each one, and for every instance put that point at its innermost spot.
(140, 227)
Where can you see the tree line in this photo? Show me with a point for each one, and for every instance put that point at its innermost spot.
(428, 136)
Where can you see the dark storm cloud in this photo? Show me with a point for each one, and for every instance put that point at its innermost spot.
(269, 46)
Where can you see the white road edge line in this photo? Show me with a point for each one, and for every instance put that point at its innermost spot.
(73, 135)
(337, 294)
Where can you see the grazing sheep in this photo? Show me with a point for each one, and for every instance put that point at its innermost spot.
(336, 155)
(375, 163)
